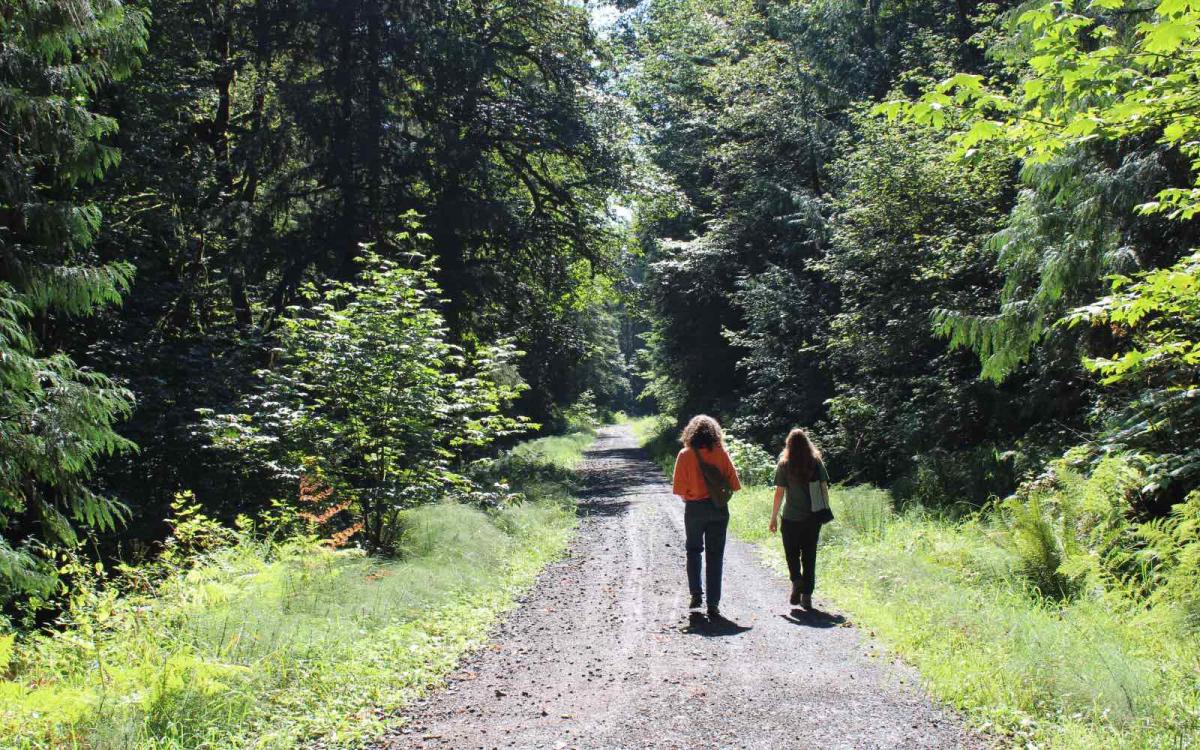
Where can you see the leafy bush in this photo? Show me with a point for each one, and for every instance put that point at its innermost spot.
(1158, 313)
(583, 414)
(754, 465)
(369, 389)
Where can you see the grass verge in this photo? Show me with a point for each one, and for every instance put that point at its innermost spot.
(271, 645)
(948, 597)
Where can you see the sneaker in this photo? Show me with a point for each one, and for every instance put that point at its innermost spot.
(714, 613)
(697, 601)
(795, 598)
(806, 601)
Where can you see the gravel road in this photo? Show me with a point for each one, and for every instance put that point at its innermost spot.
(602, 652)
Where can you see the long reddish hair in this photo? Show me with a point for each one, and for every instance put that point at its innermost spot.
(799, 457)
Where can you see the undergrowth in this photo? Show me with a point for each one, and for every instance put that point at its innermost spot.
(272, 644)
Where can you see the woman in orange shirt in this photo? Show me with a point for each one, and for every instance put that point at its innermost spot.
(704, 523)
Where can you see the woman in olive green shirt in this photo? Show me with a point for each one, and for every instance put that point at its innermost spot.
(799, 465)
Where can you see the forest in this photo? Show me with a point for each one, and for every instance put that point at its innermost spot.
(345, 287)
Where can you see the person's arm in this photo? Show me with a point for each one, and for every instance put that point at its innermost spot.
(780, 488)
(774, 525)
(677, 478)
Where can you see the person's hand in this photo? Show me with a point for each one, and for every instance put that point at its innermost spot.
(773, 525)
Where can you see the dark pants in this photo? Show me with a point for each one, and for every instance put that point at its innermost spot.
(705, 525)
(800, 549)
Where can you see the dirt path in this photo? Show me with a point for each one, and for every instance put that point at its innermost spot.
(602, 652)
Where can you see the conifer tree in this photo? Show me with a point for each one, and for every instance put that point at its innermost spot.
(56, 418)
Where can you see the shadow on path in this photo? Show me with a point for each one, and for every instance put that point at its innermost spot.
(700, 624)
(638, 456)
(814, 618)
(601, 507)
(622, 472)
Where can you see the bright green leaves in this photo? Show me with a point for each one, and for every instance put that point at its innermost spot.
(370, 389)
(1112, 72)
(1162, 310)
(1167, 36)
(981, 131)
(1157, 314)
(1143, 79)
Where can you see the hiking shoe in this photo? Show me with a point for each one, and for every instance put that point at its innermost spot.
(795, 598)
(697, 601)
(806, 601)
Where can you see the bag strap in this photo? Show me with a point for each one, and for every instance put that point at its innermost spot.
(705, 464)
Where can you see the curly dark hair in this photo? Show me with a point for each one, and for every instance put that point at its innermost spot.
(702, 431)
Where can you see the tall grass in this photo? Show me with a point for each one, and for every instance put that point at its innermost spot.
(953, 599)
(1088, 672)
(274, 645)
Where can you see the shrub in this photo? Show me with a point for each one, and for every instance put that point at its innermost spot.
(370, 389)
(754, 465)
(584, 414)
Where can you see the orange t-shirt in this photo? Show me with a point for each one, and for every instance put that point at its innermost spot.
(688, 481)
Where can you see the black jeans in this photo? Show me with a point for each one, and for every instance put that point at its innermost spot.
(705, 525)
(800, 549)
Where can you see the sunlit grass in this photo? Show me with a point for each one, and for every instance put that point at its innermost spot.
(274, 645)
(949, 599)
(561, 451)
(657, 435)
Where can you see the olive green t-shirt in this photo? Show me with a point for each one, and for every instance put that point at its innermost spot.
(797, 505)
